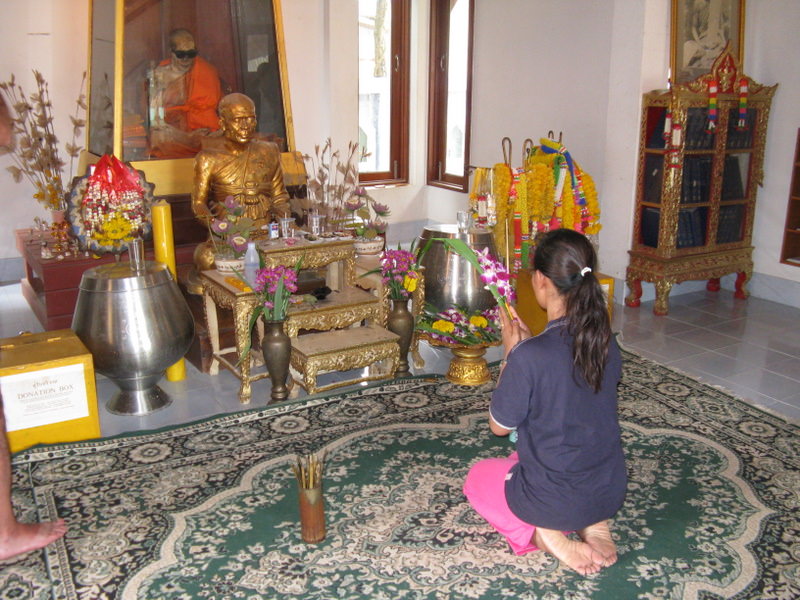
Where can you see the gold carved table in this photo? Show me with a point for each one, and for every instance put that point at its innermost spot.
(342, 308)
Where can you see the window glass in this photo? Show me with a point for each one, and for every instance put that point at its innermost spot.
(375, 83)
(458, 49)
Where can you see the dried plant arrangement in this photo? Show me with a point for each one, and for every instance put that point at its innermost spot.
(332, 179)
(34, 146)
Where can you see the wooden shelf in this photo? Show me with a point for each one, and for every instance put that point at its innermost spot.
(790, 251)
(696, 197)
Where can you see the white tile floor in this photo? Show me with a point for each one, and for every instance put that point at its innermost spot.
(751, 348)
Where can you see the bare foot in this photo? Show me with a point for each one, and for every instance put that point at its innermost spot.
(24, 537)
(579, 556)
(598, 536)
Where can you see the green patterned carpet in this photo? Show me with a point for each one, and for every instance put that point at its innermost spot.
(210, 510)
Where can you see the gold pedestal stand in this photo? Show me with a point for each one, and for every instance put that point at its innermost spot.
(468, 365)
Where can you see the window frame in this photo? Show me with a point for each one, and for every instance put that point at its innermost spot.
(400, 86)
(437, 98)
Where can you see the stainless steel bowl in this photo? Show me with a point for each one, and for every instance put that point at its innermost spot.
(136, 323)
(449, 279)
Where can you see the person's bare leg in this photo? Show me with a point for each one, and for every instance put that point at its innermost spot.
(579, 556)
(18, 538)
(598, 536)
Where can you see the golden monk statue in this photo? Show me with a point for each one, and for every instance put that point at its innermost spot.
(184, 92)
(240, 166)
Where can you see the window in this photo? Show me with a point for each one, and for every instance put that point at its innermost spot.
(383, 82)
(450, 86)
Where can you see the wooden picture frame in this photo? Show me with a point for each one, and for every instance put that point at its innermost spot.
(700, 31)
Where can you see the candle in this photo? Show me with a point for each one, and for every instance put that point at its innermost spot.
(162, 235)
(164, 246)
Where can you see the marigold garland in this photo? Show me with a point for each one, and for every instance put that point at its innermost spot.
(501, 188)
(549, 191)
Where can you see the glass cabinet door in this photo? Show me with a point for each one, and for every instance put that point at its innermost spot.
(734, 189)
(158, 69)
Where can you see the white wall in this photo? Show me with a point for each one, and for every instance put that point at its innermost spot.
(772, 55)
(51, 37)
(572, 66)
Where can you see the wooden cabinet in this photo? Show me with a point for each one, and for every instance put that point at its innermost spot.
(790, 251)
(698, 174)
(51, 285)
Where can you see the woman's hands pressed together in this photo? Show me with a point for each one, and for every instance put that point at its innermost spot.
(514, 329)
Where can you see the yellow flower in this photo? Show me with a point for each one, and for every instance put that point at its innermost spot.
(478, 321)
(114, 230)
(410, 283)
(443, 326)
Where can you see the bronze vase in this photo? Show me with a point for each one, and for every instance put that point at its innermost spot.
(277, 348)
(400, 321)
(312, 514)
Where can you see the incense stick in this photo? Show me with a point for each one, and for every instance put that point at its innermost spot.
(308, 470)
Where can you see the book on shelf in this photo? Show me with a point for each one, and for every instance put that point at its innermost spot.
(729, 228)
(650, 224)
(732, 188)
(696, 179)
(691, 227)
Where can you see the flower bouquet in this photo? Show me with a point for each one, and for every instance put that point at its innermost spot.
(460, 326)
(365, 215)
(230, 233)
(400, 273)
(273, 288)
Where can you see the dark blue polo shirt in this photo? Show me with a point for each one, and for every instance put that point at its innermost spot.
(571, 470)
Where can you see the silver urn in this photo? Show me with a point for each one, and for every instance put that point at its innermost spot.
(136, 323)
(449, 279)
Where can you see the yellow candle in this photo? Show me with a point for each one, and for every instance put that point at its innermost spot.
(162, 235)
(164, 246)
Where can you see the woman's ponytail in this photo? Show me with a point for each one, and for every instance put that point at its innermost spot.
(568, 259)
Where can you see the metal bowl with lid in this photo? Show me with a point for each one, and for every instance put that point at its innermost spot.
(134, 320)
(449, 279)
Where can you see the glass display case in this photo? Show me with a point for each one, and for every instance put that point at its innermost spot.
(159, 67)
(701, 153)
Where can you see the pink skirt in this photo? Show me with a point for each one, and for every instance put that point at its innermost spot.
(486, 491)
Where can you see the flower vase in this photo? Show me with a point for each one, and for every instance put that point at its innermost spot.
(368, 247)
(400, 321)
(228, 266)
(277, 348)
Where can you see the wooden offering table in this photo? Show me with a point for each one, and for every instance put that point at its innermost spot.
(51, 284)
(345, 307)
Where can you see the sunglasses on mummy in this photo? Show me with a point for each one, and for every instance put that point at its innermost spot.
(185, 53)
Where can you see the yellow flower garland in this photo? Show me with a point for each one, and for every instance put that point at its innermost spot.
(592, 204)
(114, 230)
(521, 201)
(535, 197)
(501, 187)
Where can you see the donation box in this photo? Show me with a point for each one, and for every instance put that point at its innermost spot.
(48, 388)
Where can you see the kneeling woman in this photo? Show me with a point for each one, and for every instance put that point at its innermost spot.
(558, 391)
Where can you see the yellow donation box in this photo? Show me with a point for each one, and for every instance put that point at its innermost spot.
(48, 388)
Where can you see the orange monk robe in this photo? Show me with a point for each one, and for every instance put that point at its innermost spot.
(203, 93)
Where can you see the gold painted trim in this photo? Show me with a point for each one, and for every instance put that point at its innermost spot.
(284, 73)
(119, 49)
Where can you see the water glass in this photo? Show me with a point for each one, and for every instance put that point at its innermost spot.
(286, 227)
